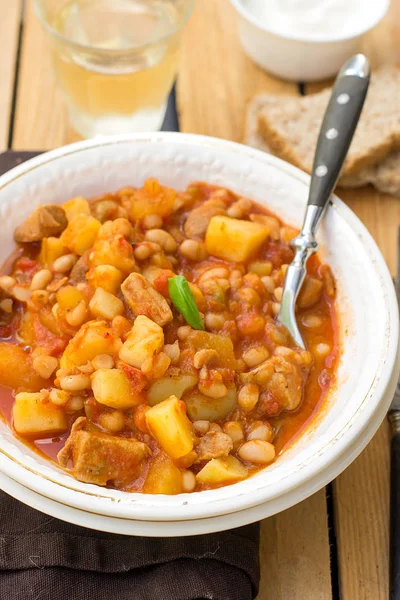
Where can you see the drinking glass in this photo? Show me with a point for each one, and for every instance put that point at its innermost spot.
(115, 60)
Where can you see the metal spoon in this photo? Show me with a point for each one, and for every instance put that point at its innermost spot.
(337, 130)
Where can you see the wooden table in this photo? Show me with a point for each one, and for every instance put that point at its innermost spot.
(335, 544)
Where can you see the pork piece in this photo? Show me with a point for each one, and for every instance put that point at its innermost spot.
(280, 382)
(45, 221)
(79, 270)
(143, 299)
(213, 445)
(285, 384)
(198, 219)
(99, 458)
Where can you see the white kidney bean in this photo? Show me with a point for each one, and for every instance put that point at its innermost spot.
(321, 350)
(259, 430)
(75, 383)
(193, 250)
(214, 321)
(76, 316)
(212, 389)
(6, 305)
(234, 430)
(173, 351)
(41, 279)
(269, 283)
(113, 421)
(103, 361)
(183, 332)
(74, 404)
(152, 222)
(188, 481)
(276, 307)
(142, 252)
(165, 239)
(257, 452)
(248, 396)
(201, 427)
(7, 282)
(64, 263)
(255, 356)
(215, 427)
(21, 293)
(59, 397)
(45, 365)
(312, 321)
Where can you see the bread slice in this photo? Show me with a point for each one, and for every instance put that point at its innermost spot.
(384, 176)
(291, 124)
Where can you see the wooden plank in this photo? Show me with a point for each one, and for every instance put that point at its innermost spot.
(11, 13)
(294, 553)
(216, 79)
(215, 82)
(41, 120)
(361, 493)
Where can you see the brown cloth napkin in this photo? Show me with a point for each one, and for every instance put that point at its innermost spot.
(42, 558)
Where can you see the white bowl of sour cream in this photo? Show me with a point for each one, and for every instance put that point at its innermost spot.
(305, 40)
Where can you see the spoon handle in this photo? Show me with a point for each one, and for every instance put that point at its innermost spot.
(337, 130)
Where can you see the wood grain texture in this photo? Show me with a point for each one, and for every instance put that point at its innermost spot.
(216, 79)
(294, 553)
(41, 120)
(361, 493)
(11, 13)
(215, 82)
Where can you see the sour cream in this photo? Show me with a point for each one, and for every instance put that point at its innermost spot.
(312, 19)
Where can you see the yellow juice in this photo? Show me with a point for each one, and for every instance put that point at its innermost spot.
(120, 65)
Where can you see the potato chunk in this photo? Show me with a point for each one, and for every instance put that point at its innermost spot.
(16, 370)
(222, 344)
(105, 305)
(233, 239)
(52, 248)
(93, 338)
(112, 388)
(32, 415)
(152, 199)
(163, 388)
(168, 423)
(100, 458)
(163, 477)
(145, 339)
(68, 297)
(143, 299)
(221, 470)
(105, 276)
(201, 407)
(115, 251)
(76, 206)
(80, 234)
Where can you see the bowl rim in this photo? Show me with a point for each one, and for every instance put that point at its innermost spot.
(206, 507)
(381, 7)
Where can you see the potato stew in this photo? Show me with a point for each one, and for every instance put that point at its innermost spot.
(139, 345)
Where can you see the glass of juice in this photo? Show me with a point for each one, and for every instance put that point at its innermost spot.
(115, 60)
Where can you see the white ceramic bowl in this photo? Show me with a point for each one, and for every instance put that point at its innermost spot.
(300, 57)
(369, 333)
